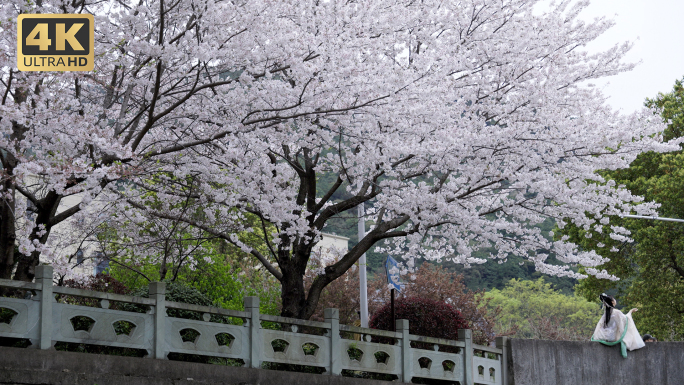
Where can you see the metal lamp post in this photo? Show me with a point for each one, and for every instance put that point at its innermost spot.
(363, 284)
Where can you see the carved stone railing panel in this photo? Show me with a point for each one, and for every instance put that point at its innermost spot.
(298, 348)
(24, 324)
(487, 371)
(103, 330)
(437, 365)
(370, 353)
(207, 343)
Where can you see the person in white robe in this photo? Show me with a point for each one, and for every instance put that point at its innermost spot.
(615, 327)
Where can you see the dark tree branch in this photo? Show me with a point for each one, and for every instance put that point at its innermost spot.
(164, 215)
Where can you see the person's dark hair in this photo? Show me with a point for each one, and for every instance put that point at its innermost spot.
(648, 337)
(607, 301)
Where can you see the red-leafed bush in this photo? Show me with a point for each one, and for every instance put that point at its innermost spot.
(103, 283)
(432, 282)
(426, 317)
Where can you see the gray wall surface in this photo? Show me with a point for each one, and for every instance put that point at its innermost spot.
(532, 362)
(539, 362)
(49, 367)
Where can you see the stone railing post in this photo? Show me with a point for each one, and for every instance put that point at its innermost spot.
(502, 343)
(254, 324)
(466, 335)
(402, 326)
(332, 316)
(158, 293)
(44, 276)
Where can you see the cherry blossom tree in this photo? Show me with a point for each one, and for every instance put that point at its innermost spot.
(458, 124)
(484, 124)
(170, 77)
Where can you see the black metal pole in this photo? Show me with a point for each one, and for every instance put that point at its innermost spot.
(394, 317)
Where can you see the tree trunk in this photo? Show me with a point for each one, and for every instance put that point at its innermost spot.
(297, 302)
(7, 218)
(7, 231)
(293, 296)
(45, 212)
(8, 235)
(293, 267)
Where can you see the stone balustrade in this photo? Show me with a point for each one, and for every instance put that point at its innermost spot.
(328, 345)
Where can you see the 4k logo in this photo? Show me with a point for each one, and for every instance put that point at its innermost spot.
(55, 42)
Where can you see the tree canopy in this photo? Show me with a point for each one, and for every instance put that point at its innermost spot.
(651, 267)
(534, 309)
(458, 125)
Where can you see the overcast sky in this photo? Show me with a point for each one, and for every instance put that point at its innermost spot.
(659, 27)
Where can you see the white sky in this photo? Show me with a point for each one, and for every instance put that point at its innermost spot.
(659, 27)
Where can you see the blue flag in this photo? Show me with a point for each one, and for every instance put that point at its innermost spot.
(392, 270)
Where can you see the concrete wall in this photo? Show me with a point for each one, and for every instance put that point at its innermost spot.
(532, 362)
(538, 362)
(33, 367)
